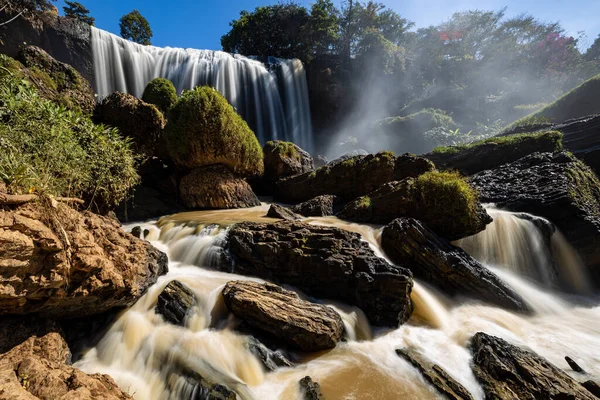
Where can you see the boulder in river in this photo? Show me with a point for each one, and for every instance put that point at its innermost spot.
(350, 178)
(281, 212)
(304, 325)
(320, 206)
(323, 261)
(216, 187)
(175, 303)
(509, 372)
(408, 242)
(58, 262)
(555, 186)
(310, 389)
(445, 201)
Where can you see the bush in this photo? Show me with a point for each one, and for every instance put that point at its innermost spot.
(49, 149)
(204, 129)
(161, 93)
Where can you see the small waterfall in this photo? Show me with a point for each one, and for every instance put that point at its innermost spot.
(275, 105)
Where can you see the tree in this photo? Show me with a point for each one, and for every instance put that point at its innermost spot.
(136, 28)
(593, 53)
(76, 10)
(15, 8)
(322, 29)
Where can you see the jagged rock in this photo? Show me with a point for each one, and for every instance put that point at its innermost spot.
(142, 122)
(281, 313)
(574, 366)
(59, 262)
(283, 159)
(592, 387)
(508, 372)
(434, 374)
(475, 158)
(280, 212)
(310, 389)
(352, 177)
(33, 365)
(323, 261)
(320, 206)
(443, 207)
(409, 243)
(558, 187)
(215, 187)
(176, 303)
(270, 359)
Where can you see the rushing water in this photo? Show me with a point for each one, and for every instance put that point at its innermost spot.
(144, 354)
(275, 105)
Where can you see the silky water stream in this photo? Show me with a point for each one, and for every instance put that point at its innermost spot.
(145, 355)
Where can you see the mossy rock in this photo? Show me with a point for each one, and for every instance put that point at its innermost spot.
(160, 92)
(204, 129)
(283, 159)
(444, 201)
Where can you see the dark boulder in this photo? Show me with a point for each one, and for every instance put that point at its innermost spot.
(324, 262)
(558, 187)
(310, 389)
(281, 212)
(283, 159)
(509, 372)
(350, 178)
(304, 325)
(409, 243)
(176, 303)
(216, 187)
(592, 387)
(574, 366)
(320, 206)
(270, 359)
(434, 374)
(445, 201)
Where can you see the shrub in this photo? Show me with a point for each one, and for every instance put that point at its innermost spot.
(161, 93)
(49, 149)
(204, 129)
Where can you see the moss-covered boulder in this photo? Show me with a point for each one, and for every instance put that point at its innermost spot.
(555, 186)
(283, 159)
(53, 79)
(141, 121)
(204, 129)
(444, 201)
(216, 187)
(160, 92)
(352, 177)
(493, 152)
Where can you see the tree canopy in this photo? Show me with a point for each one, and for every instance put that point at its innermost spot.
(76, 10)
(135, 27)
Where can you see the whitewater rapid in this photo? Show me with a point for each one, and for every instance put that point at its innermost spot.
(144, 354)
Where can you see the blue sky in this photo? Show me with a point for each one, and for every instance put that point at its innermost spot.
(201, 23)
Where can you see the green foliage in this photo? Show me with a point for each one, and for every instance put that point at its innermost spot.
(135, 27)
(418, 122)
(160, 92)
(593, 53)
(76, 10)
(282, 148)
(49, 149)
(507, 141)
(204, 129)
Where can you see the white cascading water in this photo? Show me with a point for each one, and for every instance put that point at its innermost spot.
(275, 105)
(145, 355)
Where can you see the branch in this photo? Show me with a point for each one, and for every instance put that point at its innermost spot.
(12, 19)
(18, 199)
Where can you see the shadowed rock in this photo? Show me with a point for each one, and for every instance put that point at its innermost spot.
(574, 366)
(280, 212)
(320, 206)
(270, 359)
(310, 389)
(176, 303)
(592, 387)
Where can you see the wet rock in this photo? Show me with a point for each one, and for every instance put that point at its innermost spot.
(320, 206)
(33, 364)
(215, 187)
(350, 178)
(475, 158)
(410, 243)
(592, 387)
(435, 375)
(270, 308)
(198, 387)
(508, 372)
(558, 187)
(176, 303)
(574, 366)
(445, 208)
(320, 161)
(283, 159)
(270, 359)
(141, 121)
(324, 262)
(310, 389)
(62, 263)
(136, 231)
(280, 212)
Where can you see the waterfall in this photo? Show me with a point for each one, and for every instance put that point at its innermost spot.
(275, 104)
